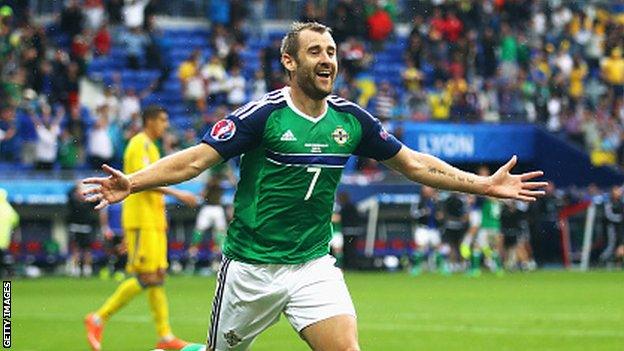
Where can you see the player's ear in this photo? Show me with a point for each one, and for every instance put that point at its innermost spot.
(289, 63)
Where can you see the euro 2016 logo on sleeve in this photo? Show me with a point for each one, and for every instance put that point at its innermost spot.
(223, 130)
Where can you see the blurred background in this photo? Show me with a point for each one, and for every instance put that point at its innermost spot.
(470, 81)
(473, 82)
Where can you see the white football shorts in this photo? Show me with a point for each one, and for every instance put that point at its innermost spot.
(211, 216)
(426, 237)
(249, 298)
(486, 237)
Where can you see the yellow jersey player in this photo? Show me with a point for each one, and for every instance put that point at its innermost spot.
(145, 229)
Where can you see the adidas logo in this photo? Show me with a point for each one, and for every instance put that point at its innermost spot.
(288, 136)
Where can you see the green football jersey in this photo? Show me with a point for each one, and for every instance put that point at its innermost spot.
(490, 214)
(290, 167)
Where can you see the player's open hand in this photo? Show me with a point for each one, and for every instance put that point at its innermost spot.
(505, 185)
(107, 190)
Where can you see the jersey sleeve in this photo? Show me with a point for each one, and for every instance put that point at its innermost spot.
(376, 142)
(239, 132)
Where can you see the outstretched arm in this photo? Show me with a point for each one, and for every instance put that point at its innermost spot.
(432, 171)
(172, 169)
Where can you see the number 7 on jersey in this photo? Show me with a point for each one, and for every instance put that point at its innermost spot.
(317, 172)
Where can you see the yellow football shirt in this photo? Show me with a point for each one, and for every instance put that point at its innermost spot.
(613, 70)
(147, 208)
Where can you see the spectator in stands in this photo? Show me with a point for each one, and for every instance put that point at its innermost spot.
(149, 14)
(134, 13)
(135, 42)
(188, 68)
(576, 85)
(157, 54)
(59, 77)
(76, 124)
(130, 106)
(94, 14)
(508, 52)
(8, 132)
(111, 101)
(415, 50)
(102, 40)
(233, 57)
(452, 27)
(311, 13)
(69, 154)
(235, 84)
(258, 85)
(380, 26)
(489, 62)
(385, 102)
(99, 144)
(48, 130)
(347, 20)
(437, 23)
(620, 150)
(613, 74)
(81, 51)
(72, 19)
(270, 58)
(220, 41)
(257, 17)
(72, 84)
(195, 93)
(214, 75)
(440, 102)
(354, 58)
(412, 77)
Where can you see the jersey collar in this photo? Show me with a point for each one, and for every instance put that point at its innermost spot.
(291, 104)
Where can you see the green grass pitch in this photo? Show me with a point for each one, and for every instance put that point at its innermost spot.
(539, 311)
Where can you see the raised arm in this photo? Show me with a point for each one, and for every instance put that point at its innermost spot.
(172, 169)
(432, 171)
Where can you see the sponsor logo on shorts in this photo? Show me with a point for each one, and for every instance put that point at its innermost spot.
(231, 338)
(223, 130)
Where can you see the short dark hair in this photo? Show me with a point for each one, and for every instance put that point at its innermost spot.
(151, 112)
(290, 42)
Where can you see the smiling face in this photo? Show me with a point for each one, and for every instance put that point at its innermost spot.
(314, 66)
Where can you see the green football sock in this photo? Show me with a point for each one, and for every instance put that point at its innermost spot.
(475, 263)
(498, 263)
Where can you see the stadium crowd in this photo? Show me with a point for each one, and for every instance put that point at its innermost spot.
(555, 63)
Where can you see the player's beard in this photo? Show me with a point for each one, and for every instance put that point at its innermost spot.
(306, 80)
